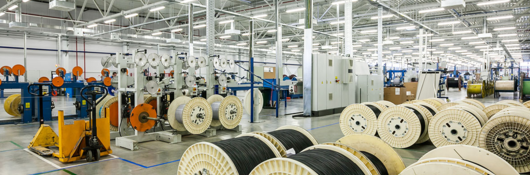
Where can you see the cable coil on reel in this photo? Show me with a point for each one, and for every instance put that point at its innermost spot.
(191, 115)
(361, 118)
(403, 125)
(286, 138)
(227, 111)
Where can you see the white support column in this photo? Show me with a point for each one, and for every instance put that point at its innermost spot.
(307, 62)
(210, 42)
(279, 50)
(348, 27)
(420, 50)
(380, 41)
(191, 54)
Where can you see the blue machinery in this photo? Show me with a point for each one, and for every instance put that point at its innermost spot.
(392, 73)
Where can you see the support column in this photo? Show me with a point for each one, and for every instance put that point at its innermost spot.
(348, 27)
(210, 42)
(58, 59)
(420, 50)
(65, 55)
(190, 29)
(307, 62)
(251, 74)
(380, 41)
(25, 54)
(279, 59)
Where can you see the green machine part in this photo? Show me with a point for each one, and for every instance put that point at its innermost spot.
(526, 88)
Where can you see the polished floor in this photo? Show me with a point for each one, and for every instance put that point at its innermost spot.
(163, 158)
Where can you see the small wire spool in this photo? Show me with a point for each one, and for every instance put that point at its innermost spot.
(6, 71)
(216, 63)
(105, 72)
(402, 126)
(513, 108)
(58, 81)
(511, 102)
(140, 59)
(113, 61)
(476, 102)
(315, 160)
(18, 70)
(192, 115)
(140, 117)
(378, 151)
(454, 126)
(11, 105)
(222, 80)
(107, 81)
(505, 85)
(492, 109)
(473, 154)
(192, 62)
(223, 63)
(233, 156)
(231, 63)
(105, 62)
(506, 135)
(473, 103)
(386, 103)
(442, 166)
(258, 101)
(60, 71)
(360, 119)
(190, 80)
(366, 160)
(151, 87)
(527, 104)
(289, 137)
(153, 59)
(201, 61)
(77, 71)
(43, 79)
(226, 111)
(165, 60)
(0, 82)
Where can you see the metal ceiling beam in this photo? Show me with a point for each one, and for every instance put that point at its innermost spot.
(9, 4)
(134, 10)
(401, 15)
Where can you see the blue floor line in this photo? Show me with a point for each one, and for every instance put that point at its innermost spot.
(323, 126)
(10, 150)
(143, 166)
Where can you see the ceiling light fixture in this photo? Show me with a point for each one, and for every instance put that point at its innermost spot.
(504, 28)
(471, 37)
(89, 26)
(294, 10)
(157, 8)
(131, 15)
(499, 17)
(406, 28)
(260, 16)
(225, 22)
(448, 23)
(336, 22)
(384, 16)
(109, 21)
(406, 42)
(199, 26)
(368, 31)
(506, 35)
(437, 40)
(431, 10)
(176, 30)
(226, 36)
(13, 7)
(492, 2)
(156, 33)
(462, 32)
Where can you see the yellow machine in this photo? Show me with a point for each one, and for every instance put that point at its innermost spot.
(77, 139)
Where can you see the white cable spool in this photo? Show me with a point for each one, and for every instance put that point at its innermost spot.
(443, 101)
(113, 61)
(494, 108)
(223, 63)
(476, 102)
(279, 145)
(208, 157)
(481, 115)
(505, 85)
(527, 104)
(226, 111)
(140, 59)
(367, 162)
(222, 80)
(192, 62)
(216, 63)
(190, 80)
(192, 115)
(231, 63)
(474, 154)
(400, 127)
(105, 62)
(427, 117)
(358, 119)
(435, 102)
(386, 103)
(294, 167)
(377, 147)
(258, 101)
(448, 105)
(511, 102)
(201, 61)
(165, 60)
(153, 59)
(506, 135)
(444, 166)
(514, 108)
(151, 87)
(454, 126)
(473, 103)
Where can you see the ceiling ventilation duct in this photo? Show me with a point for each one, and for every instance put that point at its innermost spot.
(62, 5)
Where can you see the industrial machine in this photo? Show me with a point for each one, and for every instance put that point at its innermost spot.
(369, 88)
(77, 139)
(394, 77)
(524, 87)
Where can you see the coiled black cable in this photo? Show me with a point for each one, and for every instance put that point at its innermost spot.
(246, 152)
(292, 139)
(420, 118)
(473, 116)
(327, 162)
(377, 163)
(374, 109)
(429, 108)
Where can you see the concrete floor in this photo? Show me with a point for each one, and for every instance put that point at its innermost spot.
(162, 158)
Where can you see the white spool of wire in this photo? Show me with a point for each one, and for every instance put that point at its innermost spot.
(226, 111)
(441, 166)
(289, 139)
(386, 103)
(455, 126)
(494, 108)
(192, 115)
(402, 126)
(360, 118)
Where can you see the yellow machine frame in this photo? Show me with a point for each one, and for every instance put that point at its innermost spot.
(72, 138)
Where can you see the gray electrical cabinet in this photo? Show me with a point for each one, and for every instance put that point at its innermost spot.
(369, 88)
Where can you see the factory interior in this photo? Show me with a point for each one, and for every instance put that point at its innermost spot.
(321, 87)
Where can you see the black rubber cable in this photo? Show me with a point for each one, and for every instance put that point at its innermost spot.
(420, 118)
(374, 109)
(473, 116)
(477, 164)
(429, 108)
(246, 152)
(327, 162)
(292, 139)
(377, 163)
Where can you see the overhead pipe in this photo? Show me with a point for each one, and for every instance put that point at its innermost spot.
(84, 56)
(55, 50)
(160, 3)
(402, 15)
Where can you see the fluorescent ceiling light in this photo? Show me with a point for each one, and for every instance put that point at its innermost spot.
(260, 16)
(445, 45)
(341, 2)
(481, 47)
(156, 33)
(438, 52)
(430, 34)
(406, 42)
(437, 40)
(431, 10)
(336, 42)
(272, 30)
(384, 16)
(398, 54)
(493, 2)
(507, 35)
(511, 40)
(368, 31)
(89, 26)
(110, 21)
(460, 50)
(157, 8)
(371, 49)
(394, 48)
(316, 44)
(357, 45)
(454, 48)
(296, 50)
(225, 22)
(471, 37)
(448, 23)
(295, 10)
(186, 1)
(204, 39)
(242, 44)
(199, 26)
(511, 45)
(226, 36)
(462, 32)
(393, 37)
(131, 15)
(2, 13)
(245, 34)
(364, 40)
(261, 42)
(499, 17)
(477, 42)
(25, 0)
(292, 46)
(406, 51)
(176, 30)
(336, 22)
(406, 28)
(286, 39)
(503, 28)
(13, 7)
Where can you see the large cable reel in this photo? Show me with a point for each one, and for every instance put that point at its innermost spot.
(258, 101)
(11, 105)
(191, 115)
(227, 111)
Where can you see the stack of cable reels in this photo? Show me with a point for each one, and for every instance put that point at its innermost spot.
(475, 103)
(361, 118)
(315, 160)
(527, 104)
(365, 159)
(385, 159)
(434, 101)
(456, 125)
(191, 115)
(386, 103)
(100, 110)
(288, 138)
(11, 105)
(233, 156)
(402, 126)
(511, 102)
(460, 159)
(494, 108)
(506, 135)
(227, 112)
(448, 105)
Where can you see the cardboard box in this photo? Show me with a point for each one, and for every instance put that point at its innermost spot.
(411, 97)
(269, 73)
(396, 95)
(412, 87)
